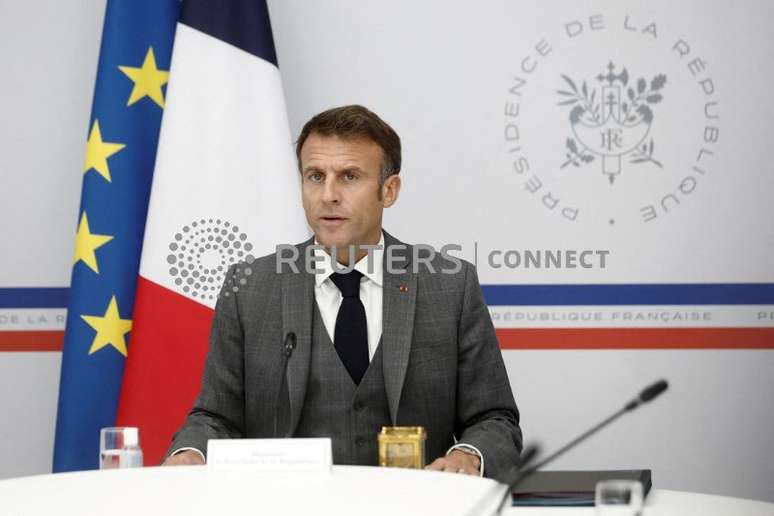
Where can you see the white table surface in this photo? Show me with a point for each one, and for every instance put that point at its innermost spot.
(347, 490)
(198, 490)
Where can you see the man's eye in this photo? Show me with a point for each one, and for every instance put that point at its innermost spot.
(349, 176)
(315, 176)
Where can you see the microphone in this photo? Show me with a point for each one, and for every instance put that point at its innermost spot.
(647, 394)
(288, 345)
(528, 455)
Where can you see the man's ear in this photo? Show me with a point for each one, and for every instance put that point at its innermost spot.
(390, 190)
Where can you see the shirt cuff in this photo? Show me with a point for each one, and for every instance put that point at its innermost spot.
(200, 453)
(469, 448)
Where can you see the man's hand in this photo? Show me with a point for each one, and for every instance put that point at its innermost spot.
(457, 462)
(184, 458)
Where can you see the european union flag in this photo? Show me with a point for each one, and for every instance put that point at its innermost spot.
(120, 153)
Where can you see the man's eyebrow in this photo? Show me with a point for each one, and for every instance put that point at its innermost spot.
(351, 168)
(344, 170)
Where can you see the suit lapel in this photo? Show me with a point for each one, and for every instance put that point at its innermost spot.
(398, 303)
(297, 307)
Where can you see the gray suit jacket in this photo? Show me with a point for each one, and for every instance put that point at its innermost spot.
(442, 365)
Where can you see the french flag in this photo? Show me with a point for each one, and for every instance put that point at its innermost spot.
(225, 189)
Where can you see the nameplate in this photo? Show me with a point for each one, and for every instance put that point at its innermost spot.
(312, 454)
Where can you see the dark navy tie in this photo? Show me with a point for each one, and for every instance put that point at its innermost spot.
(350, 337)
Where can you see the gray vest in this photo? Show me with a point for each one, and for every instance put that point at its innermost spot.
(351, 415)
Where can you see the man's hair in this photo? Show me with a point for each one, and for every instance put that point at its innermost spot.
(355, 122)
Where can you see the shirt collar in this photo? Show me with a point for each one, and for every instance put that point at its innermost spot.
(375, 274)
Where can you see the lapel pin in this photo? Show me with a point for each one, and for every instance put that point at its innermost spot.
(403, 288)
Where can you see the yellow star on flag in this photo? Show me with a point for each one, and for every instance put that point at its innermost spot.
(148, 80)
(87, 242)
(111, 329)
(98, 151)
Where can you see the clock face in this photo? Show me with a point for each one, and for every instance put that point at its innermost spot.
(401, 455)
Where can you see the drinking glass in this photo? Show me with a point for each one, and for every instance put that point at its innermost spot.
(119, 447)
(618, 498)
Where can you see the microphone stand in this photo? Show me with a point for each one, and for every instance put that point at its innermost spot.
(524, 472)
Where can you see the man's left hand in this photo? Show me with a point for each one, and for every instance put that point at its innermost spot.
(457, 462)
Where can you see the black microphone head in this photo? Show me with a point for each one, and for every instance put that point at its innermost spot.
(654, 390)
(290, 344)
(528, 455)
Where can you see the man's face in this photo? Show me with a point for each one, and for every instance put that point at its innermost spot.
(340, 179)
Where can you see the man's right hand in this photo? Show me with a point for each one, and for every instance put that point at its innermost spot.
(184, 458)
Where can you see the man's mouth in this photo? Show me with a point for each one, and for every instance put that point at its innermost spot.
(332, 220)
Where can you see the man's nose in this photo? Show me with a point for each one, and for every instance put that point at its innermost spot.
(331, 192)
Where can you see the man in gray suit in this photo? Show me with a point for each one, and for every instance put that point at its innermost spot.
(396, 340)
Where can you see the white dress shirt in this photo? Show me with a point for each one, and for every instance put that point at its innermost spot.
(328, 298)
